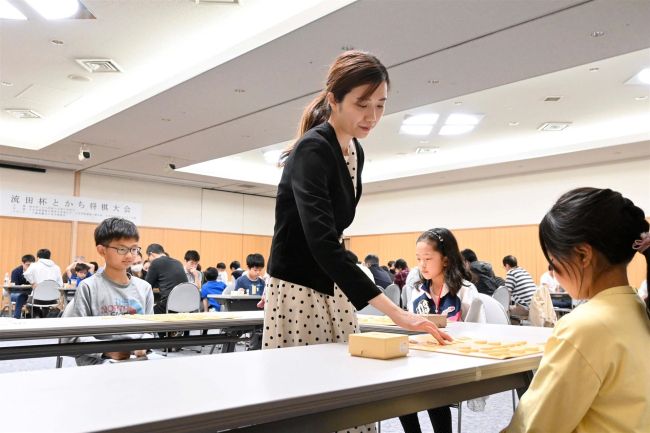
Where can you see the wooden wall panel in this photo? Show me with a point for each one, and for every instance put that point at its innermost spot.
(255, 244)
(220, 247)
(19, 236)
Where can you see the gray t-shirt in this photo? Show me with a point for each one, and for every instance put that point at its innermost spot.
(99, 296)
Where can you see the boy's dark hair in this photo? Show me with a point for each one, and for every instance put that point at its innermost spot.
(255, 260)
(221, 265)
(385, 268)
(400, 264)
(28, 258)
(352, 256)
(610, 223)
(371, 259)
(43, 253)
(81, 267)
(192, 255)
(469, 255)
(443, 241)
(235, 265)
(96, 265)
(510, 261)
(155, 249)
(391, 263)
(211, 274)
(115, 228)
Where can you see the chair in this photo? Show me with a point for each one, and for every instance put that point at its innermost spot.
(369, 309)
(184, 298)
(393, 293)
(45, 294)
(494, 311)
(502, 295)
(475, 312)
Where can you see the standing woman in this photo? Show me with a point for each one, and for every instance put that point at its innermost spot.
(315, 287)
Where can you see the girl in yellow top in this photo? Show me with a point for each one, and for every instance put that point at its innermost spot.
(594, 375)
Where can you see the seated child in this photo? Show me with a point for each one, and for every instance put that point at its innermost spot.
(111, 291)
(211, 287)
(444, 288)
(250, 280)
(81, 272)
(594, 374)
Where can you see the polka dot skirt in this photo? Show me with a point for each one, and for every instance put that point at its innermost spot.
(296, 315)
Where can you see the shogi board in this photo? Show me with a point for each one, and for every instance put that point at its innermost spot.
(182, 317)
(478, 347)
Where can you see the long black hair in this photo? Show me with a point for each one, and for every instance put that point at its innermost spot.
(602, 218)
(443, 241)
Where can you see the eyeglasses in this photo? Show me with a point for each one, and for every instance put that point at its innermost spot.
(123, 250)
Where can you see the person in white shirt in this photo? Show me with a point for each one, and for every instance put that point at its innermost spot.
(43, 269)
(548, 280)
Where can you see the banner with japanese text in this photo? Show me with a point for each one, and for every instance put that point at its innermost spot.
(63, 207)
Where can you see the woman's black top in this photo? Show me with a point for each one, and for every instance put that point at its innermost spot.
(314, 204)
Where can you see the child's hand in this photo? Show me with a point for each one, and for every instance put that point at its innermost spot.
(117, 356)
(140, 353)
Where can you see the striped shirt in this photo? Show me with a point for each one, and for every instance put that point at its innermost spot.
(520, 285)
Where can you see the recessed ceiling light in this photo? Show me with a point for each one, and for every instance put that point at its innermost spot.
(554, 126)
(641, 98)
(455, 129)
(9, 11)
(416, 129)
(513, 123)
(75, 77)
(643, 77)
(463, 119)
(54, 9)
(421, 119)
(272, 156)
(429, 150)
(594, 69)
(56, 42)
(6, 83)
(597, 34)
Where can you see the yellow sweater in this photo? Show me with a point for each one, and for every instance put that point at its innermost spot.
(595, 373)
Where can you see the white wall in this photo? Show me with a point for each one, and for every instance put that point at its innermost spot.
(50, 182)
(487, 203)
(507, 201)
(163, 205)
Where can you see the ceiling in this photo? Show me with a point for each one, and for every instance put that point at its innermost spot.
(499, 58)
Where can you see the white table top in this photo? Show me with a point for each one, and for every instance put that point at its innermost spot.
(182, 394)
(18, 329)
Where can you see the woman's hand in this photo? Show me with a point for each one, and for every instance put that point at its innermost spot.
(407, 320)
(413, 322)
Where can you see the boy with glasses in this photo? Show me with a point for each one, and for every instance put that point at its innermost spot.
(111, 291)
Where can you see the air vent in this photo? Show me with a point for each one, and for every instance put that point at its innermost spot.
(23, 113)
(552, 98)
(428, 150)
(554, 126)
(99, 65)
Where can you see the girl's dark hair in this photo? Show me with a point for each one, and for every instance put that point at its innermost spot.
(443, 241)
(602, 218)
(349, 70)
